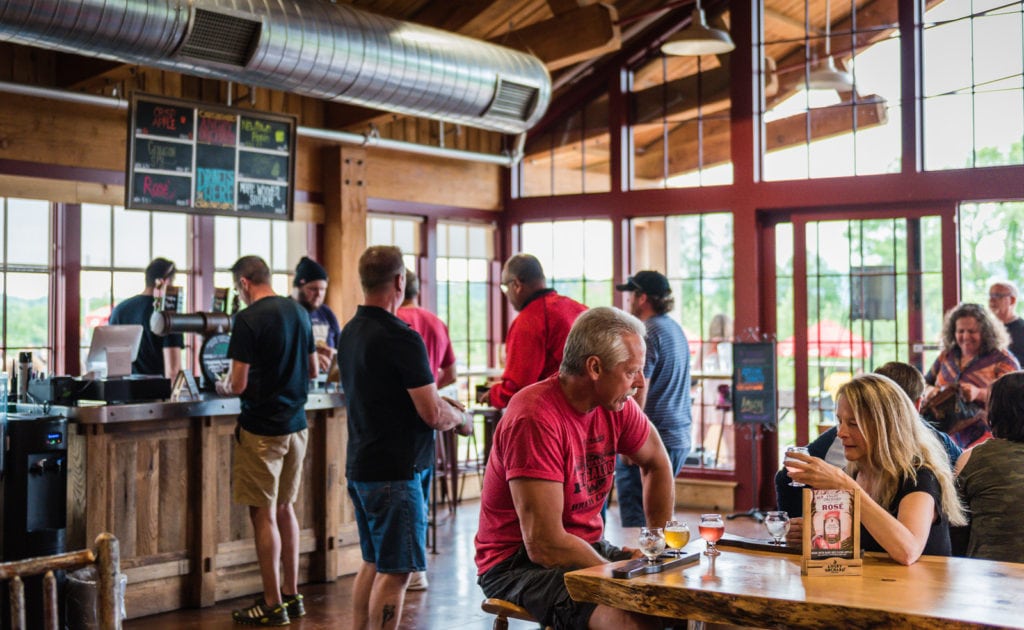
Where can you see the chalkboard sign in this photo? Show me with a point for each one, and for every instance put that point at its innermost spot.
(208, 159)
(754, 384)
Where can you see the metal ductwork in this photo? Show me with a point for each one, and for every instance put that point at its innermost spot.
(311, 47)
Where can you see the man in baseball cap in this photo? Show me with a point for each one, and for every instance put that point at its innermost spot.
(666, 399)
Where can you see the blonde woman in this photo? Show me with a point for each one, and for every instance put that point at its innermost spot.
(908, 500)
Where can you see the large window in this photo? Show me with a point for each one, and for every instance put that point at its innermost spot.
(696, 253)
(117, 245)
(576, 256)
(991, 247)
(465, 253)
(572, 157)
(831, 98)
(237, 237)
(25, 266)
(400, 231)
(973, 103)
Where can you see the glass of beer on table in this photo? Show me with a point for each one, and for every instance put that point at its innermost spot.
(677, 534)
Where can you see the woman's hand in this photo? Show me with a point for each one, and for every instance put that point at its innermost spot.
(973, 393)
(795, 535)
(817, 473)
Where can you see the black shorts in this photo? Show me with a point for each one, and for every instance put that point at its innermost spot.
(542, 591)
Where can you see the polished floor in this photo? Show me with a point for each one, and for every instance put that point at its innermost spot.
(452, 600)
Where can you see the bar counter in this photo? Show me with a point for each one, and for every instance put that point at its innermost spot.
(158, 476)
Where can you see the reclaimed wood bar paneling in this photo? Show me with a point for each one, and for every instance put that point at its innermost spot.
(163, 487)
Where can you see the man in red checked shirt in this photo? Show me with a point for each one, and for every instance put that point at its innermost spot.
(536, 338)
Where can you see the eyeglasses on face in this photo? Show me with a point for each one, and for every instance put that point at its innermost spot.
(998, 296)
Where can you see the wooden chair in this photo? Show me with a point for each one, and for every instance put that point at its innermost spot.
(503, 611)
(107, 559)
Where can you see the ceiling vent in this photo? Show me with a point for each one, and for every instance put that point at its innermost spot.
(513, 100)
(221, 38)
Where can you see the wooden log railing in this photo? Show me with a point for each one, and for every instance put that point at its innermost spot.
(107, 559)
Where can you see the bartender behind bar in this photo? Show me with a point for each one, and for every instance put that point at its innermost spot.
(310, 291)
(160, 356)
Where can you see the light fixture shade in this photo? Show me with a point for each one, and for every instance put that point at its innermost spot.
(827, 77)
(698, 39)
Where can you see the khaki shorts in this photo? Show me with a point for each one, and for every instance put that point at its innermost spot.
(267, 469)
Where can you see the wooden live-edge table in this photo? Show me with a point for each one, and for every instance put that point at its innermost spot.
(761, 589)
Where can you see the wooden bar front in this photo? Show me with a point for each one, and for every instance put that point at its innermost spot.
(158, 476)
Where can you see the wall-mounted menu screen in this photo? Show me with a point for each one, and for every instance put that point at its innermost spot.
(202, 158)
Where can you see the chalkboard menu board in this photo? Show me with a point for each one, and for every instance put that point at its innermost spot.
(209, 159)
(754, 383)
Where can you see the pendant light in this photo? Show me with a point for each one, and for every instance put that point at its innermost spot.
(827, 76)
(698, 38)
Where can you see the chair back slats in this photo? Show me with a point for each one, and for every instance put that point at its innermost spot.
(50, 615)
(107, 559)
(17, 588)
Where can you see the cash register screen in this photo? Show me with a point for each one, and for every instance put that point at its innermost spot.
(112, 350)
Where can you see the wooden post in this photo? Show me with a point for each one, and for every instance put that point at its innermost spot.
(108, 566)
(205, 519)
(345, 209)
(328, 441)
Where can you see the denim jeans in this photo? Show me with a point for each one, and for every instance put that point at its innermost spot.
(629, 488)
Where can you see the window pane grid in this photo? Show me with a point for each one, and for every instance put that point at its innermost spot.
(25, 272)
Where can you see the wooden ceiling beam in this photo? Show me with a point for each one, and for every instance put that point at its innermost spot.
(691, 146)
(594, 28)
(558, 7)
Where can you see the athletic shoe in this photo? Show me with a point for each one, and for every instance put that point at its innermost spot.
(260, 614)
(418, 581)
(294, 604)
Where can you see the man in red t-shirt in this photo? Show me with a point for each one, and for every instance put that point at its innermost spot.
(551, 468)
(533, 347)
(431, 328)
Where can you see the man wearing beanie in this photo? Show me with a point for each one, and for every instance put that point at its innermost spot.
(310, 291)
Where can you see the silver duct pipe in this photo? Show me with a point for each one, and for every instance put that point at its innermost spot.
(311, 47)
(330, 135)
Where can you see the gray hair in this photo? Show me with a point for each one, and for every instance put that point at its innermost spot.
(599, 332)
(1005, 283)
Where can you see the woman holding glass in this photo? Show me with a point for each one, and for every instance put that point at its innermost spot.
(908, 500)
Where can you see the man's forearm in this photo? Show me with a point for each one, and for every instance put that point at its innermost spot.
(564, 552)
(659, 494)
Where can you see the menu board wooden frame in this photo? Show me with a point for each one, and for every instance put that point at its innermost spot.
(831, 533)
(204, 158)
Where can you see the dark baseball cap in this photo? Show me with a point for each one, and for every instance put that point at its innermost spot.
(648, 282)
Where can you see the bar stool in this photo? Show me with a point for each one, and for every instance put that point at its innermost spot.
(503, 611)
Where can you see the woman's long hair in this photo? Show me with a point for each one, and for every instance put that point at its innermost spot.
(993, 332)
(897, 442)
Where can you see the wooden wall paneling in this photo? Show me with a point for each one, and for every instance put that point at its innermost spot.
(99, 471)
(345, 210)
(76, 135)
(439, 181)
(124, 498)
(77, 488)
(147, 481)
(175, 459)
(325, 486)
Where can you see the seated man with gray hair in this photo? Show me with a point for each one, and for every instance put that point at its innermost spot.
(551, 468)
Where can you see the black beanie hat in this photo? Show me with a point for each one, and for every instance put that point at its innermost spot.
(308, 270)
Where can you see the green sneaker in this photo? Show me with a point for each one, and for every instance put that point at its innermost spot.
(294, 604)
(260, 614)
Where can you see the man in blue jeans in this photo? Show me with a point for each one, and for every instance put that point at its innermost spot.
(666, 399)
(393, 410)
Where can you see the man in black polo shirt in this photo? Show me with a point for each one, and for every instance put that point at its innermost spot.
(160, 356)
(393, 409)
(272, 360)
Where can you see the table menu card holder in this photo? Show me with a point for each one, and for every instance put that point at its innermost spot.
(641, 566)
(831, 533)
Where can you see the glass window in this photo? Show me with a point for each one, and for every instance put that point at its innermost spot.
(465, 253)
(695, 252)
(117, 246)
(972, 73)
(680, 122)
(581, 264)
(25, 267)
(991, 247)
(831, 101)
(571, 159)
(235, 237)
(401, 231)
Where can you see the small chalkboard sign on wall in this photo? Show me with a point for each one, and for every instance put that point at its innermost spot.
(754, 383)
(209, 159)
